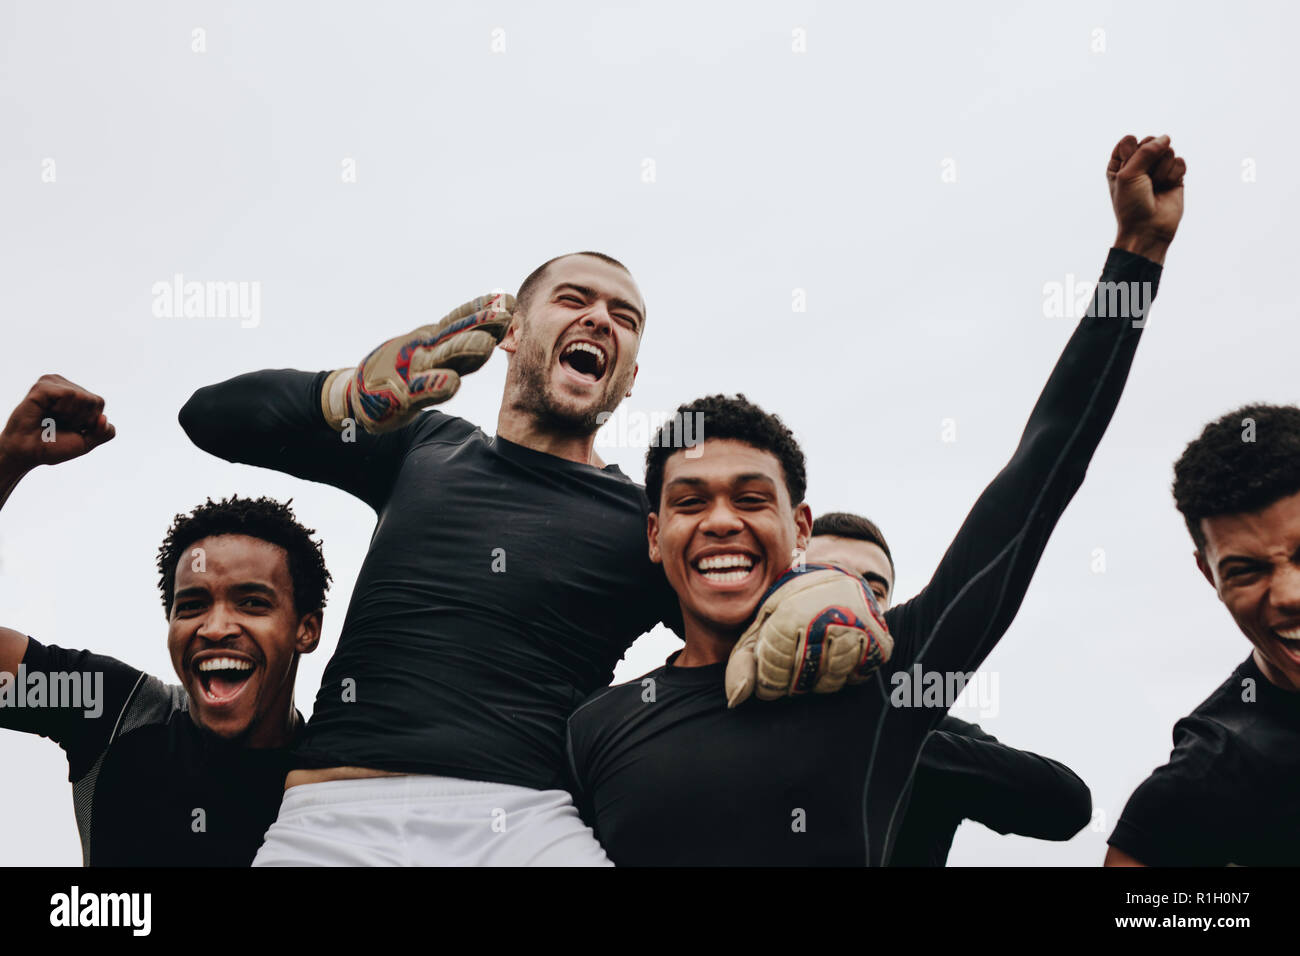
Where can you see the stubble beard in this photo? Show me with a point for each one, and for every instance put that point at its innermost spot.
(534, 395)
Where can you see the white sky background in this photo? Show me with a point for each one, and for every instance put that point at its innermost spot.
(774, 171)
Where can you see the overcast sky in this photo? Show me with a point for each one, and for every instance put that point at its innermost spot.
(915, 177)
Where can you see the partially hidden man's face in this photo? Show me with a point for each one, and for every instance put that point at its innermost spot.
(234, 636)
(573, 354)
(725, 530)
(1253, 561)
(860, 557)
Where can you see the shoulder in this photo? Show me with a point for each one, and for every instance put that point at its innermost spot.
(609, 702)
(433, 425)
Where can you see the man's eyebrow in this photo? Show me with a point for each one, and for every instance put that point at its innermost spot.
(246, 587)
(736, 480)
(590, 293)
(256, 587)
(873, 576)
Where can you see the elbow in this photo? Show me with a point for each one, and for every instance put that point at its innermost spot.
(198, 418)
(1075, 805)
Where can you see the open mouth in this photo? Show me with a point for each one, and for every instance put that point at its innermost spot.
(584, 361)
(223, 679)
(1289, 638)
(732, 569)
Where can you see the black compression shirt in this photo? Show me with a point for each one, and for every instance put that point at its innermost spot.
(501, 587)
(967, 774)
(1230, 793)
(665, 774)
(148, 787)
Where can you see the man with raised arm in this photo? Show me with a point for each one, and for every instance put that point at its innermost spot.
(668, 773)
(171, 775)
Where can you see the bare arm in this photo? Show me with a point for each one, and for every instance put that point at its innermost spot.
(55, 422)
(1116, 857)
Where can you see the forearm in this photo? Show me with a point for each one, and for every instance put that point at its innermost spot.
(273, 419)
(10, 475)
(978, 587)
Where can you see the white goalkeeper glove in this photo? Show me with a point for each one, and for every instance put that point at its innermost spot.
(407, 374)
(817, 628)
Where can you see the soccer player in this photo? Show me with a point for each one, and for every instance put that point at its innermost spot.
(964, 773)
(505, 578)
(166, 775)
(1230, 793)
(667, 774)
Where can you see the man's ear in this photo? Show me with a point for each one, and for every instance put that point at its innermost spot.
(652, 534)
(635, 368)
(1205, 569)
(510, 341)
(308, 633)
(803, 522)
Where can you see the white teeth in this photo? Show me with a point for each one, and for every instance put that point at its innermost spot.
(718, 561)
(586, 347)
(726, 577)
(224, 664)
(1291, 635)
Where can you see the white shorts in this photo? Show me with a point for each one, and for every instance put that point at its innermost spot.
(421, 820)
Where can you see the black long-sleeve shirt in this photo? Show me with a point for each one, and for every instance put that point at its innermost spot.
(666, 774)
(501, 586)
(968, 774)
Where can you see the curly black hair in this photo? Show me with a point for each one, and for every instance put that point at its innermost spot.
(1240, 463)
(265, 518)
(725, 417)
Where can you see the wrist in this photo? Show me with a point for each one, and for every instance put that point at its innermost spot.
(335, 404)
(1144, 245)
(11, 473)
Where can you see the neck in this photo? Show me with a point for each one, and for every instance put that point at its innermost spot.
(1272, 674)
(518, 426)
(272, 734)
(706, 643)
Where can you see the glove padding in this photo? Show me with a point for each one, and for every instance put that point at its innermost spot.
(817, 628)
(405, 375)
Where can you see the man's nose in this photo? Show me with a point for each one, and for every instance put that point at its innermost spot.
(721, 520)
(218, 623)
(597, 318)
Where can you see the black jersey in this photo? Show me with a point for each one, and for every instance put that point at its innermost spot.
(665, 774)
(501, 586)
(149, 788)
(1230, 793)
(968, 774)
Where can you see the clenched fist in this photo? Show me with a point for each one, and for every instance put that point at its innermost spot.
(58, 420)
(1146, 189)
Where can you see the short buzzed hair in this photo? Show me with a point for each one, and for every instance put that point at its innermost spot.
(529, 287)
(842, 524)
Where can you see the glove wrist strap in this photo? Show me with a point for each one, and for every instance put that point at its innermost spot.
(334, 402)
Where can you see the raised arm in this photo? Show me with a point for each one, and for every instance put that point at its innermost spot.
(953, 624)
(975, 593)
(348, 428)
